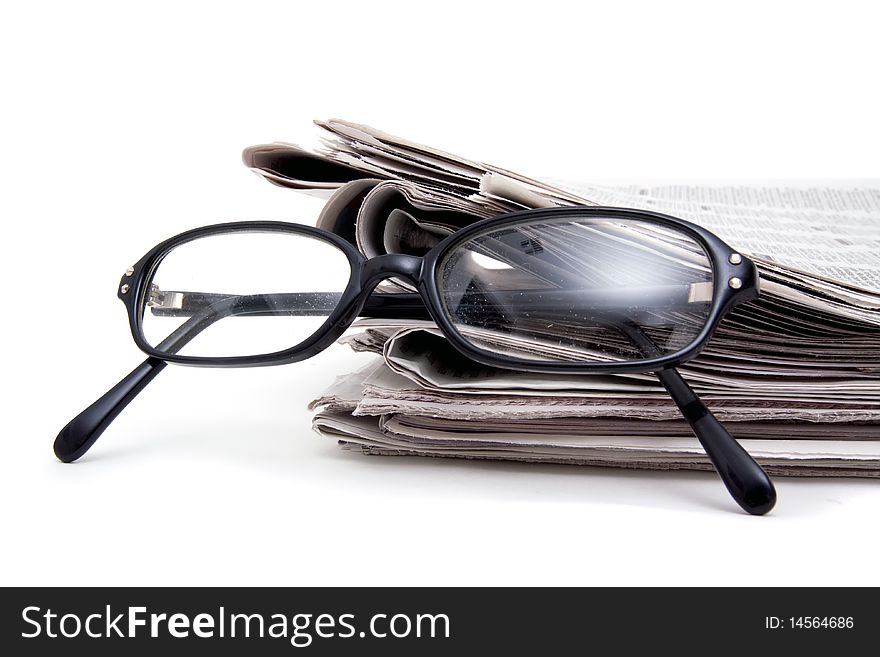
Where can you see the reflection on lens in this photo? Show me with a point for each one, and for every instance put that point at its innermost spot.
(578, 289)
(242, 294)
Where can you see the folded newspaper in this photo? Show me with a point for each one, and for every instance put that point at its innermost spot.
(795, 375)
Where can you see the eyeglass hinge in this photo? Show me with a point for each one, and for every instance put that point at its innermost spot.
(160, 299)
(700, 292)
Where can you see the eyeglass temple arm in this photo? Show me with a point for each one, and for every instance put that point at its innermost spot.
(409, 305)
(77, 437)
(745, 480)
(404, 305)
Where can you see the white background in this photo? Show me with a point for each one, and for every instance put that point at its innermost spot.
(121, 127)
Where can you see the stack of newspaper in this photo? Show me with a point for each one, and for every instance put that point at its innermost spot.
(795, 376)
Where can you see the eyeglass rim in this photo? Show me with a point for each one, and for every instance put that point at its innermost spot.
(364, 276)
(724, 297)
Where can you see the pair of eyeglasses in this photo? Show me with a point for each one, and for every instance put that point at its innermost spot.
(575, 290)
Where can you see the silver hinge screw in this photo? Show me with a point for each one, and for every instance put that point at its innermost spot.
(735, 283)
(124, 289)
(735, 259)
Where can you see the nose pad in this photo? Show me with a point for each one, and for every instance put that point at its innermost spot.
(392, 265)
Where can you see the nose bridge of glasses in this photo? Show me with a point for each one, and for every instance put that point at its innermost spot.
(392, 265)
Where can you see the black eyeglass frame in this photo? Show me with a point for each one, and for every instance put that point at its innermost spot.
(744, 479)
(366, 273)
